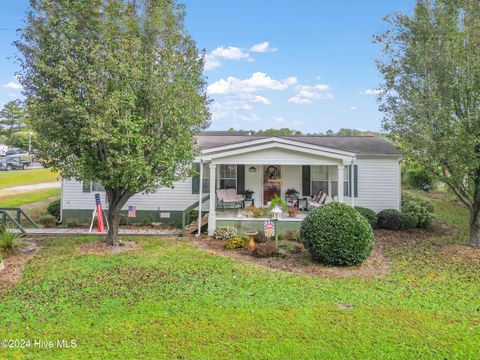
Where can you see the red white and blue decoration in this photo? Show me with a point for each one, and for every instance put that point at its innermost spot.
(100, 215)
(132, 211)
(269, 228)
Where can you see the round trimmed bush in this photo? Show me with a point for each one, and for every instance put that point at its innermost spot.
(421, 210)
(389, 219)
(407, 221)
(54, 209)
(336, 234)
(225, 232)
(369, 215)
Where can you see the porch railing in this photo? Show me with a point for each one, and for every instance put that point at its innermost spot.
(16, 220)
(186, 218)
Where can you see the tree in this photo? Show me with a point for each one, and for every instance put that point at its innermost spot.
(13, 117)
(431, 94)
(117, 91)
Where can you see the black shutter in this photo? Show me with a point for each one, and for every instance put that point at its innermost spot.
(196, 179)
(241, 179)
(306, 180)
(355, 182)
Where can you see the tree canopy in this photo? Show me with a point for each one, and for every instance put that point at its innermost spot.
(431, 94)
(117, 91)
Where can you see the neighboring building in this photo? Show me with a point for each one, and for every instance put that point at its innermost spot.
(367, 167)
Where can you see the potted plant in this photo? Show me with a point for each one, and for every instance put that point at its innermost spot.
(248, 194)
(292, 212)
(277, 200)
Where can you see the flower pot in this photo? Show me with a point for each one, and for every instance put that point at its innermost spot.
(292, 212)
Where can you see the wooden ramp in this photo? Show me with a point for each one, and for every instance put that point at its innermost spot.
(193, 227)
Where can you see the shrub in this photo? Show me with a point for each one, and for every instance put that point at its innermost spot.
(292, 235)
(47, 221)
(73, 223)
(389, 219)
(336, 234)
(234, 243)
(407, 221)
(369, 215)
(265, 250)
(147, 220)
(9, 241)
(54, 209)
(421, 210)
(225, 232)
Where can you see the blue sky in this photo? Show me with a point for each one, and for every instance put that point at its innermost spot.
(307, 65)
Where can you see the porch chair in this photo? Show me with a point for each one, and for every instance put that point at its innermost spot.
(318, 200)
(229, 197)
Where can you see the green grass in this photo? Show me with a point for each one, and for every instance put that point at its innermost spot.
(27, 197)
(175, 301)
(26, 177)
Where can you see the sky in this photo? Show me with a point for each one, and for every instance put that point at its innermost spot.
(308, 65)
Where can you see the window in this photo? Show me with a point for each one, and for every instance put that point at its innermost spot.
(319, 176)
(228, 177)
(325, 178)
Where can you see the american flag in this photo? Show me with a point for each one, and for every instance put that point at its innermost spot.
(98, 204)
(132, 211)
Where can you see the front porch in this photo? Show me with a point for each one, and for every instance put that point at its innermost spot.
(270, 169)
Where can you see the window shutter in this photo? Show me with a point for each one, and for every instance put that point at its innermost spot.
(196, 179)
(355, 182)
(241, 179)
(86, 186)
(306, 180)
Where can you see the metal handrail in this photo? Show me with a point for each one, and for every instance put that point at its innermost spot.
(186, 212)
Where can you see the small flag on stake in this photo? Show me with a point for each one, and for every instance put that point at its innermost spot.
(132, 211)
(98, 204)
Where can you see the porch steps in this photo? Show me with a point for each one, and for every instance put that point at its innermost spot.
(193, 227)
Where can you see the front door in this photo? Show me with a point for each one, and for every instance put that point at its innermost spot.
(272, 182)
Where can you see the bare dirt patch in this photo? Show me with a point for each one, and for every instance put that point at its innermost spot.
(16, 263)
(102, 248)
(301, 263)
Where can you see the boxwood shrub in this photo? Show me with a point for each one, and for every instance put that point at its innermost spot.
(369, 215)
(389, 219)
(225, 232)
(421, 210)
(337, 234)
(54, 209)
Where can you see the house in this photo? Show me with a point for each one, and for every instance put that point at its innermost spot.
(360, 171)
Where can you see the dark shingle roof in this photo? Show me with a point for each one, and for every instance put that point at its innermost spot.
(360, 145)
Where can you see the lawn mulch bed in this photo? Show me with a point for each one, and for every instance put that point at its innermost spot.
(15, 264)
(102, 248)
(301, 263)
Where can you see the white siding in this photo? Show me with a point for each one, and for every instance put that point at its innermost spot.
(176, 199)
(378, 184)
(292, 178)
(253, 181)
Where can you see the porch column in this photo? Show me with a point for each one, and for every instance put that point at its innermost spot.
(213, 199)
(351, 183)
(340, 178)
(200, 197)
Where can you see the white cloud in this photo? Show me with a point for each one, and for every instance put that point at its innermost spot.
(260, 100)
(353, 108)
(307, 93)
(230, 53)
(12, 85)
(370, 92)
(263, 47)
(258, 81)
(211, 62)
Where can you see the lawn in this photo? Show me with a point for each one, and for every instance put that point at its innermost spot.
(173, 300)
(28, 197)
(26, 177)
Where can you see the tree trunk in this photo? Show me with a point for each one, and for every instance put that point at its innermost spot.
(116, 199)
(475, 226)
